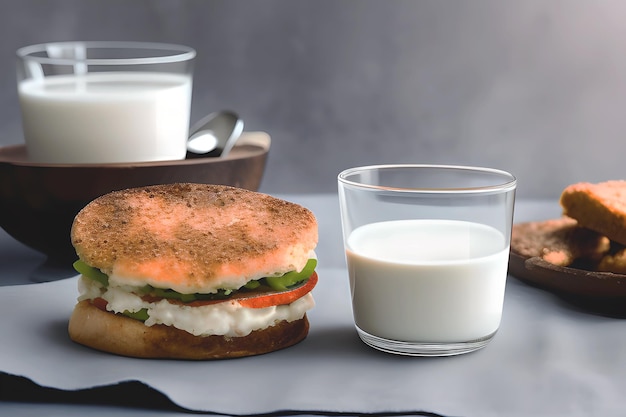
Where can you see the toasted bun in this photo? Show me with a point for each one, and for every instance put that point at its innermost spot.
(121, 335)
(193, 237)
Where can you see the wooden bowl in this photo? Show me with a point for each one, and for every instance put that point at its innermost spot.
(38, 202)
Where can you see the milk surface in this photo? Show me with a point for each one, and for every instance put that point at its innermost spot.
(427, 281)
(106, 117)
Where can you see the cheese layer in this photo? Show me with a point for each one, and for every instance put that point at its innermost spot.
(227, 318)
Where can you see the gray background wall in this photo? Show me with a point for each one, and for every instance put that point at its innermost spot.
(536, 87)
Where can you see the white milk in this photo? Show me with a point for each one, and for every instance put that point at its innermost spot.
(106, 117)
(427, 280)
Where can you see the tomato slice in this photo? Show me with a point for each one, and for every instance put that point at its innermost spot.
(251, 300)
(101, 303)
(265, 299)
(279, 298)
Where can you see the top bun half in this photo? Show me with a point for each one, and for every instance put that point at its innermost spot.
(193, 237)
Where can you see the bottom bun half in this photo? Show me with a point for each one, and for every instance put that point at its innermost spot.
(121, 335)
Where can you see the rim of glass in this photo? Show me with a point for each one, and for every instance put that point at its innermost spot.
(178, 53)
(509, 181)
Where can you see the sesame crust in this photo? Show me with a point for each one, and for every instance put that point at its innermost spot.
(193, 237)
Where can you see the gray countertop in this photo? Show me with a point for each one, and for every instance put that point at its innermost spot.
(549, 358)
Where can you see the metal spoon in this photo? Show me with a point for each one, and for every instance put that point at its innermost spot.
(214, 135)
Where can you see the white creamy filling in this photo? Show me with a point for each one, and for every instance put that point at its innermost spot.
(226, 318)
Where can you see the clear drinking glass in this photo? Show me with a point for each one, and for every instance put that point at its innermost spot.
(105, 102)
(427, 249)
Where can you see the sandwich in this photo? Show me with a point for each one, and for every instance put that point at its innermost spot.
(192, 271)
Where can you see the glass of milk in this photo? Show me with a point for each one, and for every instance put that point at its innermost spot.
(427, 248)
(105, 102)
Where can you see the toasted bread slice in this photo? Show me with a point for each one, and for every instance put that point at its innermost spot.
(193, 237)
(124, 336)
(600, 207)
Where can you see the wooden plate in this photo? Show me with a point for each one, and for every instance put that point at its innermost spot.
(598, 292)
(567, 280)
